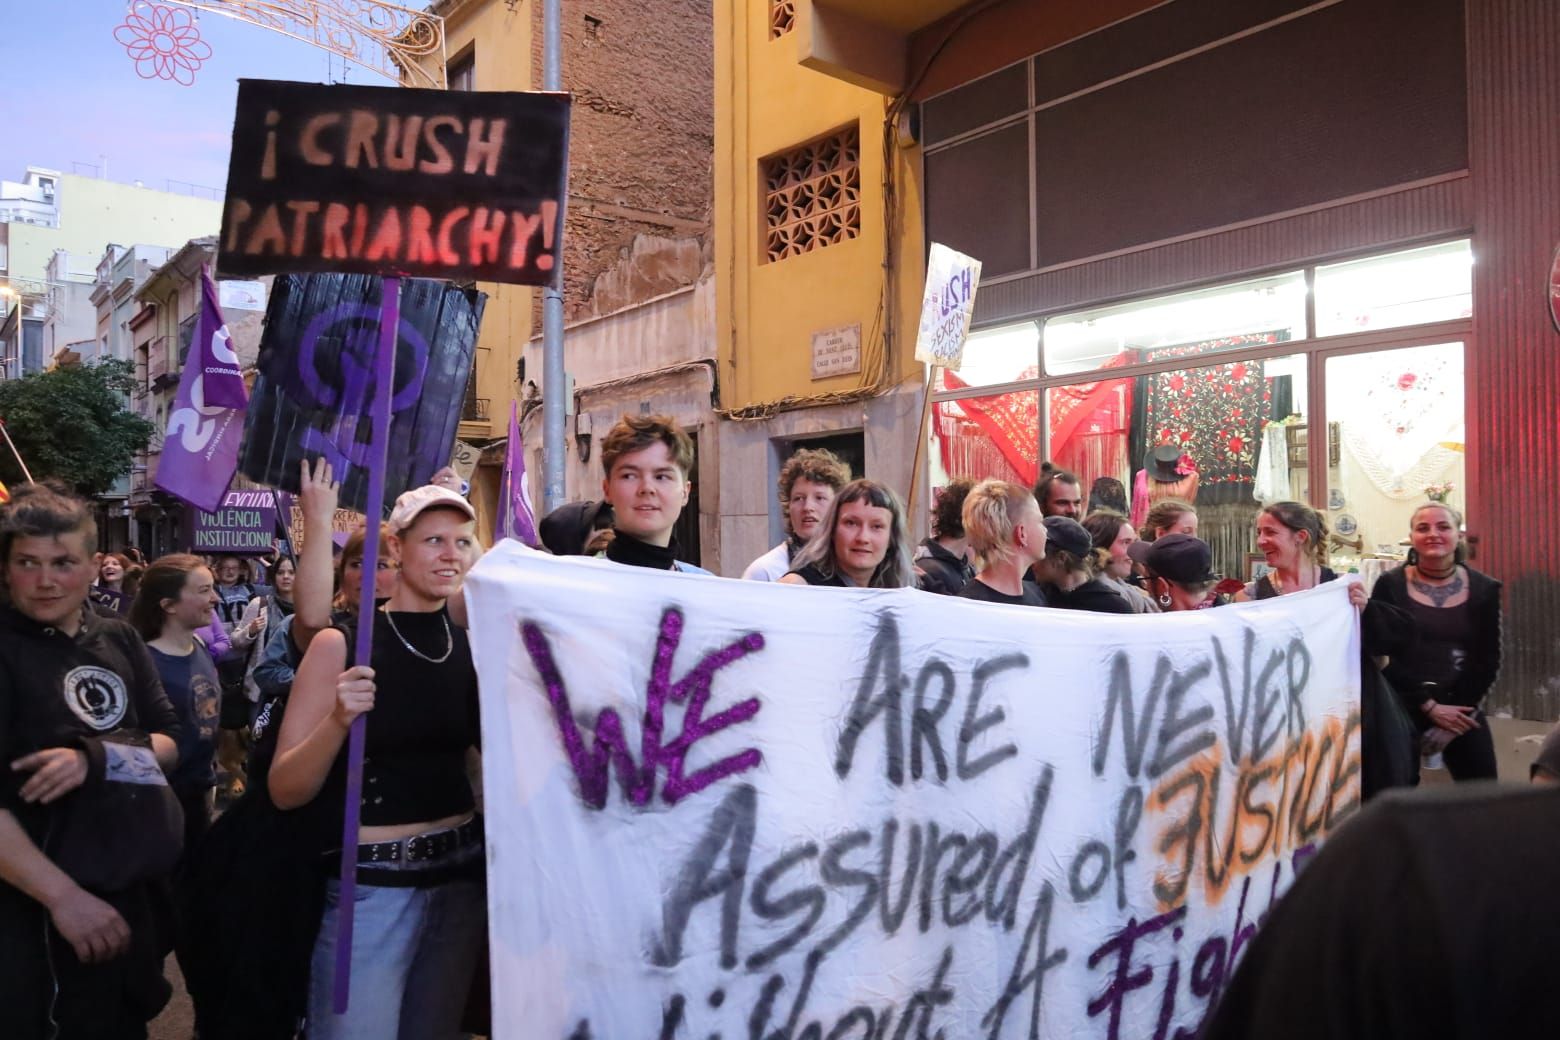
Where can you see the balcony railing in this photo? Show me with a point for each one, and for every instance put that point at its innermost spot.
(474, 409)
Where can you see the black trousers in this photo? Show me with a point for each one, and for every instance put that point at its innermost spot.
(46, 992)
(1471, 756)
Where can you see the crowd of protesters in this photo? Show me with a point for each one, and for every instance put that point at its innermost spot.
(133, 694)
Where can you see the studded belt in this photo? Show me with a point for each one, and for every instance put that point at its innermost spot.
(422, 848)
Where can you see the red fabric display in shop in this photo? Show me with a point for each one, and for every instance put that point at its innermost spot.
(1091, 423)
(990, 437)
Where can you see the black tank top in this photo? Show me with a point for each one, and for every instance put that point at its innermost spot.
(424, 718)
(1440, 652)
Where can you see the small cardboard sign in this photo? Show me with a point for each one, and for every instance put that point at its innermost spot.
(464, 459)
(316, 381)
(461, 185)
(946, 307)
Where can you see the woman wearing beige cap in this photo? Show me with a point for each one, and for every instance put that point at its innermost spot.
(419, 914)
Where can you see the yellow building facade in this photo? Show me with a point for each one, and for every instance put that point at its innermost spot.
(819, 257)
(489, 48)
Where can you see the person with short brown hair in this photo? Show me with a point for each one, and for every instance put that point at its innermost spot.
(1060, 493)
(808, 482)
(647, 463)
(83, 716)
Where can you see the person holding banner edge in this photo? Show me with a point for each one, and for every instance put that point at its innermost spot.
(1293, 538)
(420, 903)
(862, 543)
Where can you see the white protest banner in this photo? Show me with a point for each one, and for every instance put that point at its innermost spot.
(946, 307)
(764, 812)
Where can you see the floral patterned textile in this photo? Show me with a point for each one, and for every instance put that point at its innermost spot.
(1010, 423)
(1215, 414)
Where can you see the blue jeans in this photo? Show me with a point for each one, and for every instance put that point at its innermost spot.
(413, 954)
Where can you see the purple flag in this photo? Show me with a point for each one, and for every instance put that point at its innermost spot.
(200, 449)
(515, 519)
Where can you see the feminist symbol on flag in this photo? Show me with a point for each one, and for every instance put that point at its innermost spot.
(356, 325)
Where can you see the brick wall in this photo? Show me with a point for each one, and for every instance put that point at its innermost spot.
(642, 140)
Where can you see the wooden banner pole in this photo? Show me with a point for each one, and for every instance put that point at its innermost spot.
(920, 440)
(18, 455)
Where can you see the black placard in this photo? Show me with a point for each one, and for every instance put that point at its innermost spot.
(311, 397)
(394, 181)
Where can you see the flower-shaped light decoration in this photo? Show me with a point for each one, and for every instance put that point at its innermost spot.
(163, 42)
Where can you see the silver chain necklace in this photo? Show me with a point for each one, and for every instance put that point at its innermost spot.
(449, 641)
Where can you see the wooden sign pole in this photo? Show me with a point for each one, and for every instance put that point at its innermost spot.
(921, 435)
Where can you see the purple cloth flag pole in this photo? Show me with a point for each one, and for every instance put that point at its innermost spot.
(206, 423)
(515, 518)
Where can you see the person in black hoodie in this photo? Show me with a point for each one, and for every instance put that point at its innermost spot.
(1072, 567)
(941, 562)
(85, 734)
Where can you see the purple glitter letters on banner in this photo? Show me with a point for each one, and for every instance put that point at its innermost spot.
(592, 764)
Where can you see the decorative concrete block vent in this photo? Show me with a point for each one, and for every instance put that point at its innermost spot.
(782, 17)
(812, 195)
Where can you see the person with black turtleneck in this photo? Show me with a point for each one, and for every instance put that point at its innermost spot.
(647, 460)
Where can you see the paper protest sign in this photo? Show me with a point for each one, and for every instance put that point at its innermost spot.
(390, 180)
(946, 307)
(737, 809)
(316, 379)
(246, 523)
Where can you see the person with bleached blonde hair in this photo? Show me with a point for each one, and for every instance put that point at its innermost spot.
(1003, 524)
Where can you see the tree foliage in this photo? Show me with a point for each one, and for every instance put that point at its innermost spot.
(71, 423)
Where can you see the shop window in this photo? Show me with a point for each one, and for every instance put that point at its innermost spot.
(987, 438)
(1415, 287)
(1229, 317)
(812, 195)
(782, 17)
(1399, 415)
(992, 356)
(1217, 436)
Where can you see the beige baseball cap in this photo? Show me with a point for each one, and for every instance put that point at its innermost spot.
(411, 505)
